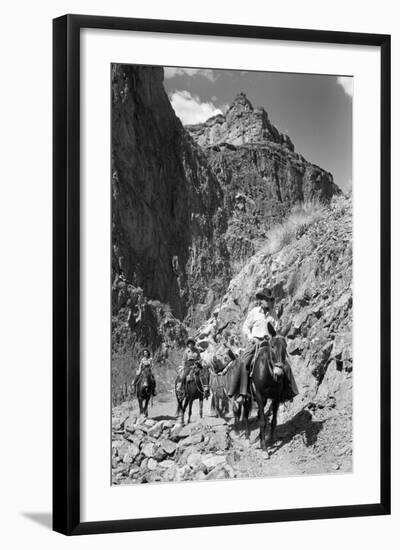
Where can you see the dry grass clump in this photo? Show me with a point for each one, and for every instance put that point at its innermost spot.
(293, 227)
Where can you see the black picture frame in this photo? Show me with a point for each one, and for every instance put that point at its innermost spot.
(66, 274)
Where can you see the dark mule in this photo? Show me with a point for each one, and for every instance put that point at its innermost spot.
(219, 396)
(144, 389)
(267, 382)
(197, 387)
(239, 411)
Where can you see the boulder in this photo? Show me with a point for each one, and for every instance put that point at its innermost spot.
(191, 440)
(149, 422)
(217, 473)
(218, 441)
(168, 446)
(210, 461)
(143, 465)
(118, 422)
(185, 431)
(130, 423)
(148, 449)
(170, 473)
(155, 431)
(152, 464)
(175, 432)
(134, 471)
(194, 461)
(160, 454)
(128, 459)
(168, 463)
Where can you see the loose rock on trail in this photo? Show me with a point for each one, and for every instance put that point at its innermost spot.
(159, 449)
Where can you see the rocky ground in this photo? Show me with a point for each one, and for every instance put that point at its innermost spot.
(159, 449)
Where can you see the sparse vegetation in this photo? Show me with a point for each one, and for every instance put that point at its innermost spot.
(294, 226)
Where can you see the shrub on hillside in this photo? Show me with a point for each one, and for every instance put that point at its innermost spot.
(294, 226)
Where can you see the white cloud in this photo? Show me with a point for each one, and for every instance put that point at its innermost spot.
(346, 82)
(170, 72)
(190, 109)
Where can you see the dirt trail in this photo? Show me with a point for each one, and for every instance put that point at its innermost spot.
(304, 444)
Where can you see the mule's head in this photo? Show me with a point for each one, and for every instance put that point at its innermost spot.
(278, 351)
(146, 378)
(204, 373)
(269, 362)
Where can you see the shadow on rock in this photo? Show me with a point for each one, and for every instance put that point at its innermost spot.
(163, 417)
(302, 424)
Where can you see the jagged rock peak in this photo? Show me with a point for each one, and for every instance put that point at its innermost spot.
(241, 125)
(241, 103)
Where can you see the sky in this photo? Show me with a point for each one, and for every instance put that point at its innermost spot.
(314, 110)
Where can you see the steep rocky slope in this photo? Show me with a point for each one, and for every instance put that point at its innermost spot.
(260, 173)
(308, 264)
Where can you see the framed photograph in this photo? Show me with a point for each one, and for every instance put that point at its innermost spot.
(221, 274)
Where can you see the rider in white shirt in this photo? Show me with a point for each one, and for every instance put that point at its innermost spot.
(261, 323)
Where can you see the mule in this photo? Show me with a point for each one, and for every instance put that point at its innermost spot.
(144, 389)
(219, 397)
(197, 387)
(267, 382)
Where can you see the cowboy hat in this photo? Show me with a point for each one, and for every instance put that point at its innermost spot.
(265, 294)
(190, 340)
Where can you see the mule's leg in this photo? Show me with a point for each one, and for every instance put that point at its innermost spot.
(201, 407)
(236, 409)
(219, 408)
(190, 410)
(146, 407)
(213, 405)
(140, 406)
(184, 406)
(261, 419)
(246, 412)
(178, 406)
(275, 407)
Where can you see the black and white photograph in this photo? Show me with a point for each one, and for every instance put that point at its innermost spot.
(231, 285)
(201, 253)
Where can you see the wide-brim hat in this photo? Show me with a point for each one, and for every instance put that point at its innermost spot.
(190, 340)
(265, 294)
(146, 349)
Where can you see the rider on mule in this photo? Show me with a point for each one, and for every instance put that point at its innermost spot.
(146, 361)
(191, 356)
(261, 323)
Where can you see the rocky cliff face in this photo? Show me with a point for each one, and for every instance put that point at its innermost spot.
(260, 173)
(167, 215)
